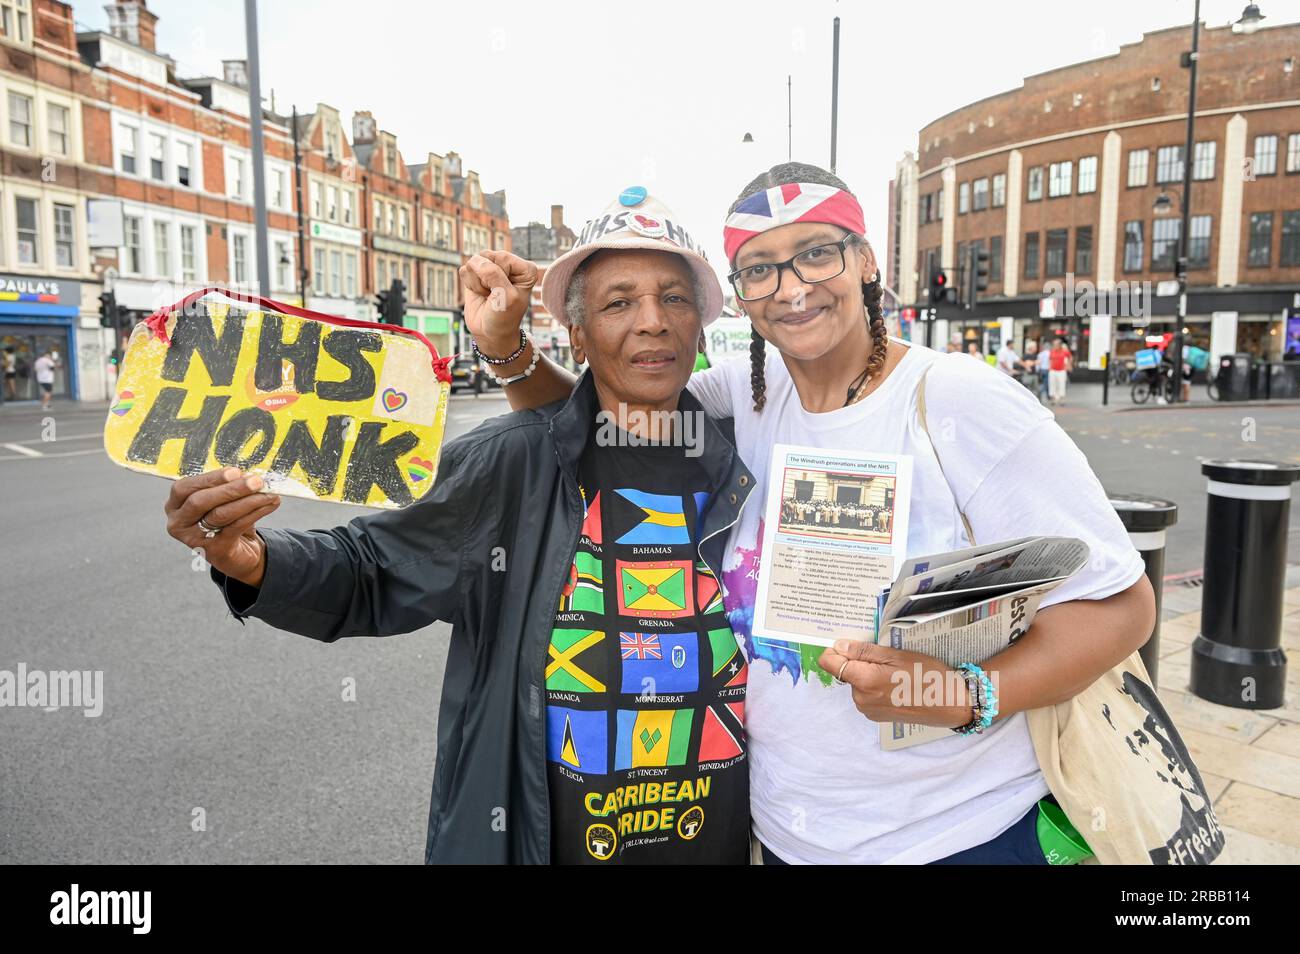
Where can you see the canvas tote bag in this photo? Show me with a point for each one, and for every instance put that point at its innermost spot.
(1117, 765)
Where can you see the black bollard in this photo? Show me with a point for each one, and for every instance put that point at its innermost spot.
(1146, 519)
(1237, 658)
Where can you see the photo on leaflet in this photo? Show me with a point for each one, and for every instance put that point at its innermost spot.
(839, 506)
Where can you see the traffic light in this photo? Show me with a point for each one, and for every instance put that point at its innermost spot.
(939, 290)
(381, 306)
(977, 273)
(397, 303)
(108, 311)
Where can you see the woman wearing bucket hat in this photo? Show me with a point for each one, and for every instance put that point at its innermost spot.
(988, 462)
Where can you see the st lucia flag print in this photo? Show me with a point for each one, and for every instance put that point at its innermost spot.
(657, 589)
(649, 737)
(578, 739)
(661, 518)
(660, 663)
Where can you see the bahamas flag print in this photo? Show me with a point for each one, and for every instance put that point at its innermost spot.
(585, 591)
(648, 737)
(657, 589)
(658, 663)
(654, 518)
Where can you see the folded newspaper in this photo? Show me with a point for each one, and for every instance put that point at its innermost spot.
(968, 605)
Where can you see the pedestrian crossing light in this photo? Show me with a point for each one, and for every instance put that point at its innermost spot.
(939, 290)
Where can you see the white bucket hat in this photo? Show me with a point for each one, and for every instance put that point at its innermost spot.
(634, 220)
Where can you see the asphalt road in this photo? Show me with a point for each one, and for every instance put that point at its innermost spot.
(248, 725)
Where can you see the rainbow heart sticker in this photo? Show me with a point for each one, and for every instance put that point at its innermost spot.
(394, 400)
(419, 469)
(125, 401)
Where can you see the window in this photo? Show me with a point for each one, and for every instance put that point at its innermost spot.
(1198, 242)
(157, 157)
(1034, 190)
(318, 271)
(1139, 161)
(1165, 235)
(1058, 243)
(131, 237)
(938, 204)
(404, 223)
(1261, 240)
(1169, 164)
(1059, 175)
(240, 245)
(336, 273)
(999, 190)
(332, 206)
(56, 118)
(162, 262)
(189, 254)
(1133, 250)
(237, 177)
(428, 228)
(28, 237)
(1290, 239)
(377, 223)
(282, 265)
(65, 255)
(1083, 250)
(1203, 160)
(426, 288)
(13, 18)
(980, 195)
(995, 259)
(347, 206)
(315, 200)
(1087, 175)
(184, 160)
(126, 148)
(381, 274)
(963, 198)
(1031, 254)
(1265, 154)
(392, 218)
(277, 189)
(350, 274)
(390, 162)
(20, 120)
(331, 144)
(1293, 152)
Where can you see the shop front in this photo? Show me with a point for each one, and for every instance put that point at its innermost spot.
(435, 324)
(38, 316)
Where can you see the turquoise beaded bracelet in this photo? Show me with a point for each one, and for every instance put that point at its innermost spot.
(984, 697)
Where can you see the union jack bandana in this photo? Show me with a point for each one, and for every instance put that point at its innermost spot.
(792, 202)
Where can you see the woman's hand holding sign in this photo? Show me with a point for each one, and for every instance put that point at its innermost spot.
(230, 503)
(498, 289)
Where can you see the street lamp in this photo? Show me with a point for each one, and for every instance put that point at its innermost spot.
(748, 138)
(1251, 20)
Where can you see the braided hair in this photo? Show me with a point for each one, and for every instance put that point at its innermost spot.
(872, 291)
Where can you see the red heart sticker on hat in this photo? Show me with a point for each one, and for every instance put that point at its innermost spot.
(646, 225)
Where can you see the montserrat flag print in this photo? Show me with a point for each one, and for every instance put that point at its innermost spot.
(319, 406)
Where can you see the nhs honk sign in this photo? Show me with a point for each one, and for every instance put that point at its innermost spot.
(352, 412)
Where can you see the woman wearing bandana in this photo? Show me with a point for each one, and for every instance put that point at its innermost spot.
(824, 372)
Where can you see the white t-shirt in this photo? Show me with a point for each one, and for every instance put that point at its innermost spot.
(1008, 360)
(44, 367)
(821, 789)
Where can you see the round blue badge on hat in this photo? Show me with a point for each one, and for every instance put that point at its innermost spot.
(632, 195)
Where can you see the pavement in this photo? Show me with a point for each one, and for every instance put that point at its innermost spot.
(229, 743)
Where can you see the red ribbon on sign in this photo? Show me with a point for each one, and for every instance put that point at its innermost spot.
(157, 322)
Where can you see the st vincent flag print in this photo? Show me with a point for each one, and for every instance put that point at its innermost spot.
(658, 589)
(648, 737)
(654, 518)
(578, 739)
(659, 663)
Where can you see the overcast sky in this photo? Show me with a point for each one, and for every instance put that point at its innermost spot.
(571, 102)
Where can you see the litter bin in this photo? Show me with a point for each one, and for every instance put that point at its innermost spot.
(1235, 380)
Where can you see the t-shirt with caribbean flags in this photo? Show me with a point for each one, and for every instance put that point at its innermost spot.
(645, 681)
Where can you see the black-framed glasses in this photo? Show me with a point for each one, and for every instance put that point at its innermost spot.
(817, 264)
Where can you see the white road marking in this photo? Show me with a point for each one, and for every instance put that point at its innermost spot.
(20, 449)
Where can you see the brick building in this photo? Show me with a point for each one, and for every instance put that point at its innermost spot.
(543, 244)
(1059, 181)
(117, 173)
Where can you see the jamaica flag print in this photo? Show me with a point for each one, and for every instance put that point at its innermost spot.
(659, 589)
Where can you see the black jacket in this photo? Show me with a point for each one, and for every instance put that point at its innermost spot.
(487, 549)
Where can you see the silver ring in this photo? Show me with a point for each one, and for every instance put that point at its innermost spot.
(208, 531)
(840, 677)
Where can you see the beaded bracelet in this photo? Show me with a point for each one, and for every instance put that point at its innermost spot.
(523, 344)
(984, 705)
(502, 382)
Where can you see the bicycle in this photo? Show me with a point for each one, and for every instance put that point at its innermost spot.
(1149, 381)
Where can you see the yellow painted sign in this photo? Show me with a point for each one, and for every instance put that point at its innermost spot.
(352, 415)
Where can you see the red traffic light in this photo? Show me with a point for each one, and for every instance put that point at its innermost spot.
(909, 314)
(941, 279)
